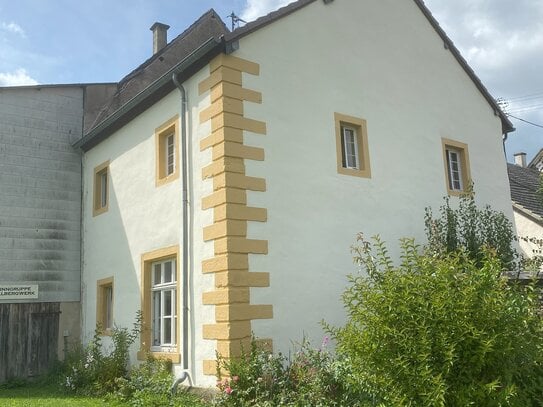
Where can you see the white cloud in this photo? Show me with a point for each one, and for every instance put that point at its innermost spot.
(18, 78)
(258, 8)
(13, 28)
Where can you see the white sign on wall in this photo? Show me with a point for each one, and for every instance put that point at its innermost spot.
(18, 292)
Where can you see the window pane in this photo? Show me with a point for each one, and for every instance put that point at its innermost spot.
(103, 189)
(174, 331)
(156, 317)
(156, 276)
(170, 154)
(167, 272)
(167, 303)
(108, 292)
(167, 331)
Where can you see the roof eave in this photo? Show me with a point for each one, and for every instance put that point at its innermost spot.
(528, 213)
(507, 125)
(151, 94)
(267, 19)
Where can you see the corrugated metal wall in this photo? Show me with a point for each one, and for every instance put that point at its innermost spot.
(40, 189)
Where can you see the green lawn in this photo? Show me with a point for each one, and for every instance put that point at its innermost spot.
(46, 396)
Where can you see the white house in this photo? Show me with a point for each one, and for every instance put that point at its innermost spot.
(222, 193)
(525, 183)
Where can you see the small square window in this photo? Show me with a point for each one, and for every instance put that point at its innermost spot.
(167, 151)
(352, 146)
(101, 189)
(457, 172)
(104, 305)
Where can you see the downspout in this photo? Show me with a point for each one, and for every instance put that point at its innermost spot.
(185, 374)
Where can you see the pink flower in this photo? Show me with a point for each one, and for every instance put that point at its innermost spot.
(228, 390)
(325, 341)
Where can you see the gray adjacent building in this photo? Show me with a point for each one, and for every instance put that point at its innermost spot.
(40, 217)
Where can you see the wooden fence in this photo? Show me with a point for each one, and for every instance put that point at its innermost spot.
(28, 339)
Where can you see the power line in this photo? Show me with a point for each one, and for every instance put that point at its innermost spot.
(525, 121)
(527, 108)
(530, 96)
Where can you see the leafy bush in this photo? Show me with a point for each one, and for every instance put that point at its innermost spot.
(313, 377)
(93, 371)
(440, 330)
(471, 229)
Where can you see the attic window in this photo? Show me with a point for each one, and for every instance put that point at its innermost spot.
(167, 155)
(456, 160)
(352, 146)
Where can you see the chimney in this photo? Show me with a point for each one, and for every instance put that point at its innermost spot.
(520, 159)
(160, 36)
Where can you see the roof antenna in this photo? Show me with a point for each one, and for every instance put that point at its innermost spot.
(236, 20)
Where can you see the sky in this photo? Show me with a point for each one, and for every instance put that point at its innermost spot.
(71, 41)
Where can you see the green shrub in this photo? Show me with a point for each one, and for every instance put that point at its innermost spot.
(440, 330)
(472, 230)
(311, 377)
(91, 370)
(147, 384)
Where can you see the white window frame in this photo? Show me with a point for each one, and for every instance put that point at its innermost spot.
(103, 188)
(167, 152)
(454, 158)
(169, 162)
(164, 320)
(350, 139)
(108, 305)
(100, 197)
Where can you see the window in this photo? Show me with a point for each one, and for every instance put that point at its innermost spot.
(456, 159)
(349, 145)
(160, 305)
(101, 189)
(164, 304)
(167, 151)
(352, 146)
(104, 304)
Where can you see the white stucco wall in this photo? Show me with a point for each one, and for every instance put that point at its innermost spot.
(142, 218)
(528, 229)
(383, 62)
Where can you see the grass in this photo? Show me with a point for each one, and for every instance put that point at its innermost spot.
(42, 394)
(46, 395)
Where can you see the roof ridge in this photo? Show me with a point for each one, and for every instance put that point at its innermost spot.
(209, 13)
(267, 19)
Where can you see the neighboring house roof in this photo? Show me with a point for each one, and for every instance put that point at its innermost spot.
(524, 183)
(537, 161)
(193, 49)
